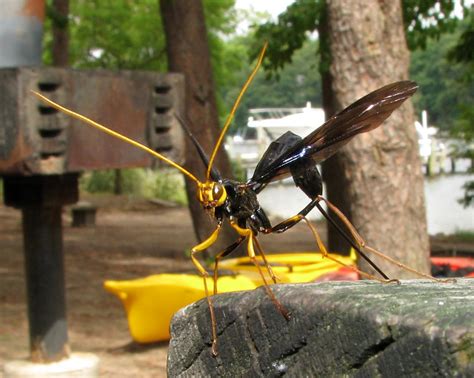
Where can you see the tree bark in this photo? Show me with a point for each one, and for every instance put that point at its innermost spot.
(118, 182)
(380, 178)
(188, 53)
(59, 14)
(331, 166)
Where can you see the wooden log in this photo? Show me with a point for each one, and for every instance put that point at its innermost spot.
(417, 328)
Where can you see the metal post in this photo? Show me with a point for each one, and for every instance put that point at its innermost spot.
(44, 270)
(41, 199)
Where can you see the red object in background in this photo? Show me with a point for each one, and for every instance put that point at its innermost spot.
(441, 267)
(452, 266)
(342, 274)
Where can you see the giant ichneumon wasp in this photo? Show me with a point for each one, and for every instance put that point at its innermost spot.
(289, 155)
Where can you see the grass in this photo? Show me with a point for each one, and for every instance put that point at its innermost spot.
(163, 184)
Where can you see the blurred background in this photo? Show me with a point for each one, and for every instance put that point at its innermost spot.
(408, 187)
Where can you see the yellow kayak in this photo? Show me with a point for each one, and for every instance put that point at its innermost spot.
(151, 302)
(288, 267)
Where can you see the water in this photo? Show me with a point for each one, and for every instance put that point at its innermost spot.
(283, 200)
(445, 214)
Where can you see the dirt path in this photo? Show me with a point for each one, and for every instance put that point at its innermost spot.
(132, 239)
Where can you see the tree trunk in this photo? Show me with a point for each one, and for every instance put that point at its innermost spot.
(331, 167)
(188, 53)
(380, 175)
(59, 15)
(118, 182)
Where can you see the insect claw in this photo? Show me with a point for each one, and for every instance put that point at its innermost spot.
(214, 349)
(393, 280)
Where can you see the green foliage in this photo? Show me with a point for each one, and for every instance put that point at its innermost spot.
(296, 84)
(427, 19)
(464, 125)
(468, 198)
(464, 235)
(238, 171)
(221, 21)
(114, 34)
(287, 34)
(169, 186)
(164, 184)
(442, 88)
(103, 181)
(426, 23)
(463, 52)
(423, 19)
(124, 34)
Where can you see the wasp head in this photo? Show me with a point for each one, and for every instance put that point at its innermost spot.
(211, 194)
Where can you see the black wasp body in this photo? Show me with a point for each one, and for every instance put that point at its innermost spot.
(291, 155)
(242, 202)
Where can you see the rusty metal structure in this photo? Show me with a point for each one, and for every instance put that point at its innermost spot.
(38, 140)
(42, 153)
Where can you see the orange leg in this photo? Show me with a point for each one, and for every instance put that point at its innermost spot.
(265, 261)
(290, 222)
(325, 254)
(222, 254)
(361, 243)
(196, 249)
(249, 235)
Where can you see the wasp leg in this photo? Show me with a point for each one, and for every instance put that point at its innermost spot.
(290, 222)
(325, 253)
(222, 254)
(249, 235)
(196, 249)
(265, 261)
(361, 243)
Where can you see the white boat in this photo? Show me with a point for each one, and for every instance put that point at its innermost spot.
(267, 124)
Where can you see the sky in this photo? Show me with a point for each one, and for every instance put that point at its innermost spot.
(274, 7)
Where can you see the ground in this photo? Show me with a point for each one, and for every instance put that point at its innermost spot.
(133, 238)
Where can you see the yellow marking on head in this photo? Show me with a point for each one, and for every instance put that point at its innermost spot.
(211, 194)
(115, 134)
(234, 109)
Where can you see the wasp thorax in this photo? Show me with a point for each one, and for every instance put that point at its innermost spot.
(211, 194)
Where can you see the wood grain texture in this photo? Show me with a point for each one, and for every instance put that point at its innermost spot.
(363, 328)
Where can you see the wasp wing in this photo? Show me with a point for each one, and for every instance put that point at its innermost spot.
(364, 115)
(276, 151)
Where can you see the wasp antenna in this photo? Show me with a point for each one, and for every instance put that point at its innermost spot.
(215, 174)
(115, 134)
(234, 108)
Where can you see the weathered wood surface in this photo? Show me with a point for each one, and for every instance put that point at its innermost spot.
(417, 328)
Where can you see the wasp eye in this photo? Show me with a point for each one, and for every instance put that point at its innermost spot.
(217, 191)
